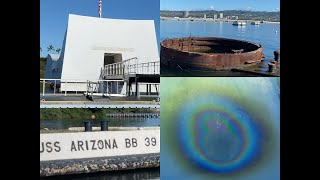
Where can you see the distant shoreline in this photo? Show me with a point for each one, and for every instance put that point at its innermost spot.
(212, 20)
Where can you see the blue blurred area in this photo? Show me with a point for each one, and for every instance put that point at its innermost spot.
(258, 97)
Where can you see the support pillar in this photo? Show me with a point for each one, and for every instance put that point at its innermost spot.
(149, 92)
(137, 88)
(147, 89)
(127, 88)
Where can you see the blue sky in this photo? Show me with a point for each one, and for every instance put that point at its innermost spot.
(255, 5)
(54, 15)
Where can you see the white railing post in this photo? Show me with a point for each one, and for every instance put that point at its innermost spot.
(141, 68)
(116, 69)
(107, 87)
(91, 88)
(117, 87)
(65, 89)
(87, 87)
(43, 87)
(106, 69)
(54, 87)
(136, 65)
(147, 68)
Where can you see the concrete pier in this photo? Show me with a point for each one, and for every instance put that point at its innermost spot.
(91, 165)
(92, 104)
(88, 152)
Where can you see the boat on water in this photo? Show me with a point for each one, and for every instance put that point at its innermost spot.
(255, 23)
(239, 23)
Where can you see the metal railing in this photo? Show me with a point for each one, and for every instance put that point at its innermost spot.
(105, 88)
(151, 89)
(60, 86)
(131, 66)
(114, 69)
(79, 87)
(143, 68)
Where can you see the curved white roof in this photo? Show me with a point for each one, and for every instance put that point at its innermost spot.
(54, 57)
(89, 38)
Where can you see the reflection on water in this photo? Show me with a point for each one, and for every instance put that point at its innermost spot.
(113, 122)
(138, 174)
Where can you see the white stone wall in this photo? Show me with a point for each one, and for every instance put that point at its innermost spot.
(88, 38)
(59, 146)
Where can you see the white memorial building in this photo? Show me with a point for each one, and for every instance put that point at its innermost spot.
(106, 49)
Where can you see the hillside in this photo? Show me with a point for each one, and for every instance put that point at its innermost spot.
(242, 15)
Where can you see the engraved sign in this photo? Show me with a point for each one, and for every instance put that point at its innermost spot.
(59, 146)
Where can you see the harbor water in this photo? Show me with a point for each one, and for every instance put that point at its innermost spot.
(266, 34)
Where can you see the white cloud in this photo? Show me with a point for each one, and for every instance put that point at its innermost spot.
(276, 9)
(211, 7)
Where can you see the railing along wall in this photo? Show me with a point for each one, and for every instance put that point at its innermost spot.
(131, 66)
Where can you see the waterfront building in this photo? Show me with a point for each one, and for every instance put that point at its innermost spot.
(221, 15)
(186, 14)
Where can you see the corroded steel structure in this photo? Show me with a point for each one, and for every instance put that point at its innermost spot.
(209, 53)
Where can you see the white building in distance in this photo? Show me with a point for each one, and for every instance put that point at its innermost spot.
(221, 15)
(185, 14)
